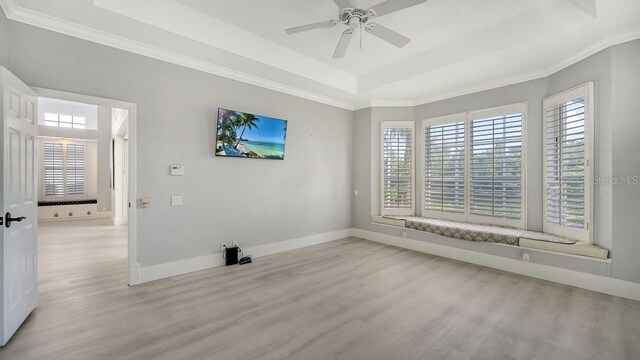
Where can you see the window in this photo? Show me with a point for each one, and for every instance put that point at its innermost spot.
(474, 167)
(75, 179)
(397, 168)
(496, 173)
(444, 182)
(567, 133)
(64, 170)
(53, 169)
(64, 121)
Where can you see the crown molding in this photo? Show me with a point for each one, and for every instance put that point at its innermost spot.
(17, 13)
(597, 46)
(385, 103)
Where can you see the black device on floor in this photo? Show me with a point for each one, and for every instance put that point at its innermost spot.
(231, 255)
(245, 260)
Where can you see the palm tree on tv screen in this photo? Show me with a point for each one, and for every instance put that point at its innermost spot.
(246, 121)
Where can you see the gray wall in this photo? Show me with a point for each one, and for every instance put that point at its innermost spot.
(362, 171)
(626, 159)
(4, 39)
(103, 138)
(616, 74)
(252, 201)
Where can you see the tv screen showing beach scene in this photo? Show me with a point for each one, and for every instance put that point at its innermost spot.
(247, 135)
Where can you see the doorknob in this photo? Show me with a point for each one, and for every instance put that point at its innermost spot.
(8, 219)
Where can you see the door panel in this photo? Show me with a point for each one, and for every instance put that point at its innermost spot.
(29, 111)
(14, 102)
(30, 168)
(19, 197)
(15, 193)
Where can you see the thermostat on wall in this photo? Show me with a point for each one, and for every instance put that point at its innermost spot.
(177, 170)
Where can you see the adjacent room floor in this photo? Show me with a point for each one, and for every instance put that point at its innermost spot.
(348, 299)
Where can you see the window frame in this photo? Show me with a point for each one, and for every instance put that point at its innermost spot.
(73, 124)
(587, 91)
(468, 118)
(65, 196)
(398, 125)
(442, 120)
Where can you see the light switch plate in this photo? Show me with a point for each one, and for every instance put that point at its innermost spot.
(177, 170)
(176, 200)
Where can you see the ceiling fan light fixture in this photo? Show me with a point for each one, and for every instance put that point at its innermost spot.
(356, 18)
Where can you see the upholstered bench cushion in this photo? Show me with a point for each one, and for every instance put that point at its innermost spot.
(474, 232)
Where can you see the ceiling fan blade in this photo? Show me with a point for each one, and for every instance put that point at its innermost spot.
(343, 44)
(390, 6)
(318, 25)
(343, 4)
(387, 35)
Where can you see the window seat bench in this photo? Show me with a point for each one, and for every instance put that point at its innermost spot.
(67, 210)
(494, 234)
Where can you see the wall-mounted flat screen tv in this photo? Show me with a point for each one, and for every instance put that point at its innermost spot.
(247, 135)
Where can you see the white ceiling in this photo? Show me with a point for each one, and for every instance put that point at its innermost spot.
(458, 46)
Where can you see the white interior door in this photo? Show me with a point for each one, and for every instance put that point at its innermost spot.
(19, 199)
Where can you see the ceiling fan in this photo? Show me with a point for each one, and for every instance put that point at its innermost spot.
(355, 18)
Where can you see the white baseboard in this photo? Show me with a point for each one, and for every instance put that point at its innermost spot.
(166, 270)
(607, 285)
(118, 221)
(103, 214)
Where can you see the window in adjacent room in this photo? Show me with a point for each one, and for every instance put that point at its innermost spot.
(63, 169)
(397, 168)
(474, 166)
(568, 134)
(64, 121)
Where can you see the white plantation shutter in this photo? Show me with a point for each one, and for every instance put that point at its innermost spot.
(444, 184)
(75, 170)
(496, 187)
(397, 168)
(567, 152)
(64, 170)
(53, 177)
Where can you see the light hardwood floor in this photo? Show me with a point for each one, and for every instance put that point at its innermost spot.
(348, 299)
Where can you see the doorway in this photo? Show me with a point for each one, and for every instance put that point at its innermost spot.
(64, 178)
(87, 186)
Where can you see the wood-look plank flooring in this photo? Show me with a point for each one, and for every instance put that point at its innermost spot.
(348, 299)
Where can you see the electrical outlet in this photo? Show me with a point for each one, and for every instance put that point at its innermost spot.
(223, 246)
(404, 234)
(236, 244)
(525, 257)
(356, 193)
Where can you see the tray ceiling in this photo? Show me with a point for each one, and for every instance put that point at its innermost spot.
(458, 46)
